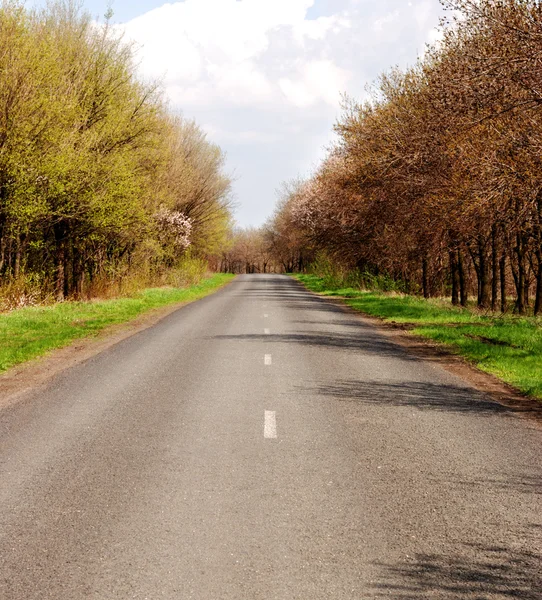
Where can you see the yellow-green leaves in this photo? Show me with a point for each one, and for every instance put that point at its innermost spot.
(89, 154)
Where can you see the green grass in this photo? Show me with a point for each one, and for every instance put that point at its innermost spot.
(31, 332)
(507, 346)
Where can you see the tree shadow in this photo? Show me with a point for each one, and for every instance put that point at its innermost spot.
(297, 302)
(510, 482)
(364, 342)
(422, 395)
(481, 573)
(305, 304)
(341, 323)
(292, 295)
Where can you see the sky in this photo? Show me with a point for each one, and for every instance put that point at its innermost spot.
(264, 78)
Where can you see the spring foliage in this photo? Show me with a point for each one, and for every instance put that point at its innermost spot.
(98, 179)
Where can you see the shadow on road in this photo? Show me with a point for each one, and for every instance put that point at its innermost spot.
(417, 394)
(291, 295)
(300, 302)
(360, 338)
(516, 483)
(484, 573)
(363, 341)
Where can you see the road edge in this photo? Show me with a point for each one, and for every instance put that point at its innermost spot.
(21, 380)
(431, 351)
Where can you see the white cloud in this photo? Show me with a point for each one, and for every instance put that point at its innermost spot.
(317, 80)
(317, 29)
(435, 36)
(250, 137)
(267, 80)
(381, 23)
(423, 13)
(222, 45)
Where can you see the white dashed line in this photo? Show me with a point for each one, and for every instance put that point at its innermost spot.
(270, 425)
(266, 316)
(267, 331)
(267, 359)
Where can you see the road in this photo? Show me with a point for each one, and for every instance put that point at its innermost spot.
(264, 444)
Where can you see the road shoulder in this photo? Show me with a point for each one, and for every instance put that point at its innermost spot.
(438, 354)
(29, 377)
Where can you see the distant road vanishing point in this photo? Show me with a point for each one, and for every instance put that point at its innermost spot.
(263, 444)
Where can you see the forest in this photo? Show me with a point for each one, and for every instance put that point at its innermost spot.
(435, 182)
(102, 185)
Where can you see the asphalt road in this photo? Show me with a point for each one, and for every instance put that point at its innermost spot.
(264, 444)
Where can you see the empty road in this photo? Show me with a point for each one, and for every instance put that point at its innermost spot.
(265, 444)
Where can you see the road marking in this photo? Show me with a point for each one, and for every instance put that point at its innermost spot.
(267, 331)
(270, 425)
(266, 316)
(267, 359)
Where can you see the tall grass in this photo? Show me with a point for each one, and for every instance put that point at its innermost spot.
(335, 276)
(33, 289)
(24, 290)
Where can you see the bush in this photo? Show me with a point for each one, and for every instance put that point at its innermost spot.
(335, 276)
(25, 290)
(190, 271)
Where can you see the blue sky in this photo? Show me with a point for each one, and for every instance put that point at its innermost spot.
(124, 10)
(264, 78)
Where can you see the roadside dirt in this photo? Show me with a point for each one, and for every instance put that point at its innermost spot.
(17, 382)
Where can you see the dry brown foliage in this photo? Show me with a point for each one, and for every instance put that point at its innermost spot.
(437, 181)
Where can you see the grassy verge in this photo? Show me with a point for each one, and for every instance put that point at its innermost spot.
(31, 332)
(507, 346)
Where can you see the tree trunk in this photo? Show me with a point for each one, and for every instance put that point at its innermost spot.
(463, 293)
(60, 261)
(425, 279)
(454, 270)
(502, 269)
(78, 275)
(494, 269)
(519, 276)
(538, 294)
(68, 279)
(2, 254)
(17, 263)
(483, 278)
(538, 254)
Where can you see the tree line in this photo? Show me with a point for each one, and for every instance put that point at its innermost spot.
(99, 179)
(436, 179)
